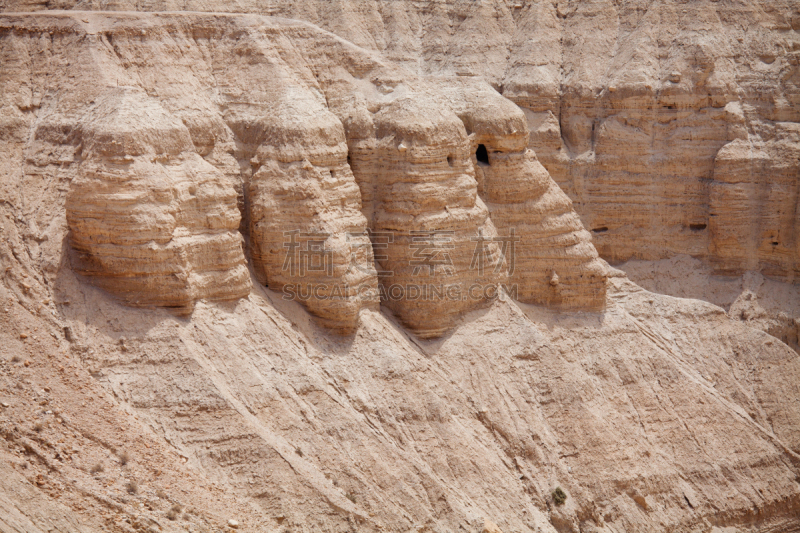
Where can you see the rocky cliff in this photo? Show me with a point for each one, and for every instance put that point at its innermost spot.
(206, 218)
(673, 126)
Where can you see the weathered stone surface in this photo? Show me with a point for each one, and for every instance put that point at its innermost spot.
(394, 134)
(652, 414)
(150, 220)
(628, 106)
(412, 150)
(417, 180)
(309, 237)
(554, 262)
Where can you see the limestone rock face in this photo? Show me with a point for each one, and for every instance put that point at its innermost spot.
(551, 258)
(340, 163)
(754, 223)
(309, 237)
(412, 143)
(151, 221)
(651, 124)
(628, 104)
(651, 414)
(426, 215)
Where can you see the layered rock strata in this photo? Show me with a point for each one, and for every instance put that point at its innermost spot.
(410, 154)
(407, 152)
(658, 414)
(550, 255)
(627, 103)
(410, 149)
(755, 214)
(435, 246)
(309, 238)
(652, 126)
(427, 216)
(151, 221)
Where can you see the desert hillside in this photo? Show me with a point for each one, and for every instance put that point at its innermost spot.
(344, 266)
(672, 126)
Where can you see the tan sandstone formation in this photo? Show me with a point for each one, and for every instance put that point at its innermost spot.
(674, 130)
(652, 414)
(418, 187)
(408, 151)
(411, 157)
(671, 126)
(412, 152)
(308, 235)
(628, 104)
(554, 262)
(150, 220)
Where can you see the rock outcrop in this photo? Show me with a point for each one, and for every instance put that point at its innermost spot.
(150, 221)
(554, 261)
(419, 190)
(628, 105)
(660, 124)
(309, 238)
(393, 159)
(333, 169)
(652, 414)
(755, 219)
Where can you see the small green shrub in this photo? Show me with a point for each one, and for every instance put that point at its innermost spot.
(559, 496)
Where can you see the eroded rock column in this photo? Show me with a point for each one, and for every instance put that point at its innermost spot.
(151, 221)
(308, 236)
(434, 243)
(553, 261)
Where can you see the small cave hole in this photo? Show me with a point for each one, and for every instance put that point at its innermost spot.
(601, 229)
(697, 227)
(482, 155)
(450, 160)
(774, 243)
(333, 174)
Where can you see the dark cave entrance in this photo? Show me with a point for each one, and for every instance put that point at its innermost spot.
(482, 155)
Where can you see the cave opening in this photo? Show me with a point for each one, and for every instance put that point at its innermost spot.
(697, 227)
(482, 155)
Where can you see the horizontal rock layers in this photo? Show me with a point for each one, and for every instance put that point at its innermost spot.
(338, 163)
(656, 415)
(426, 215)
(755, 219)
(551, 258)
(151, 221)
(309, 237)
(634, 124)
(418, 175)
(626, 104)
